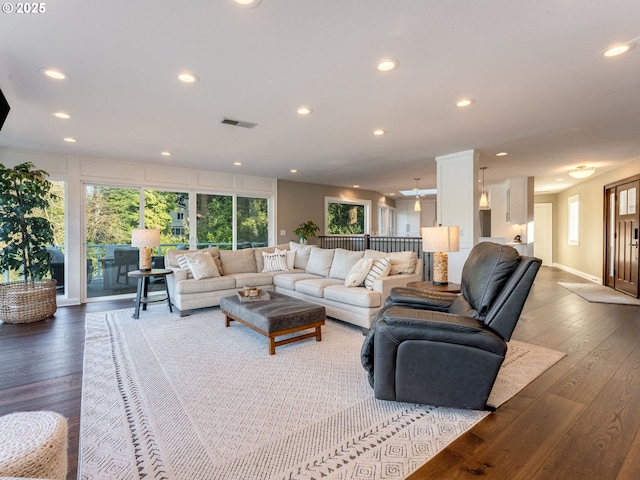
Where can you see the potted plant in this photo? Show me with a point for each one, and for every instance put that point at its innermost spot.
(306, 230)
(24, 236)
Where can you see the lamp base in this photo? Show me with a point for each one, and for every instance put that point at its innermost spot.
(440, 268)
(145, 259)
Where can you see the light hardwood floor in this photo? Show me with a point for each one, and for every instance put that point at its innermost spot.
(579, 420)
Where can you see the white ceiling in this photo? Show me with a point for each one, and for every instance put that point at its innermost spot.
(543, 90)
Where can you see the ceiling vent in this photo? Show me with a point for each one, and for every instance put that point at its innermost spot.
(238, 123)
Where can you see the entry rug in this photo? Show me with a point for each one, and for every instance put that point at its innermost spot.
(594, 292)
(166, 397)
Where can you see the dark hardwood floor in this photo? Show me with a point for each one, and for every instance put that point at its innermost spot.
(578, 420)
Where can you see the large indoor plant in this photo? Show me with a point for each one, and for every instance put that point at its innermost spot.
(306, 230)
(24, 236)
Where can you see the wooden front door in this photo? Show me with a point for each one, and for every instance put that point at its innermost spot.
(625, 252)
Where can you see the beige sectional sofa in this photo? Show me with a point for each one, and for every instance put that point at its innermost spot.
(308, 272)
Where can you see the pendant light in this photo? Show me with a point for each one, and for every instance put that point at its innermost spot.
(484, 200)
(416, 206)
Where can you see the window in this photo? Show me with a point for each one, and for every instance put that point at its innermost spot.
(574, 214)
(347, 216)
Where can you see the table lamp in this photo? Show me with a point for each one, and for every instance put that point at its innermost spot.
(145, 239)
(439, 241)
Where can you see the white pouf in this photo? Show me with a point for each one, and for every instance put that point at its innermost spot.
(33, 444)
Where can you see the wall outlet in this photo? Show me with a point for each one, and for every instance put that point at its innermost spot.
(283, 233)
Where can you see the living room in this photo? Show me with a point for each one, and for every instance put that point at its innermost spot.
(133, 124)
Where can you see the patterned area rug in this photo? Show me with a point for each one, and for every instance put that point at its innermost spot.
(166, 397)
(599, 293)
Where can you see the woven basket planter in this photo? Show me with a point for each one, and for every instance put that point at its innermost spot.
(27, 302)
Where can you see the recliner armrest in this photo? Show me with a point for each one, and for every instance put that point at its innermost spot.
(423, 299)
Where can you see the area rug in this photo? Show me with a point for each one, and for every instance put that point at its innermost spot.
(166, 397)
(599, 293)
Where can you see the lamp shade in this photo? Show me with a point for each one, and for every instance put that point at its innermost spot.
(440, 239)
(145, 237)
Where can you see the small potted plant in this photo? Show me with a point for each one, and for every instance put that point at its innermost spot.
(306, 230)
(24, 236)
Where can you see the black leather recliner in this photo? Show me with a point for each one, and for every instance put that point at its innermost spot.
(446, 349)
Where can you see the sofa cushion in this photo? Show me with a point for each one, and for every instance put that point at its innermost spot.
(380, 268)
(274, 262)
(288, 280)
(320, 261)
(201, 265)
(238, 261)
(251, 279)
(401, 262)
(302, 254)
(358, 297)
(170, 256)
(358, 273)
(291, 259)
(315, 286)
(206, 285)
(342, 262)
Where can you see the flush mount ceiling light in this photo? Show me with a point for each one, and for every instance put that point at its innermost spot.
(378, 132)
(247, 3)
(416, 206)
(501, 154)
(165, 154)
(188, 77)
(619, 49)
(54, 73)
(582, 171)
(388, 64)
(237, 164)
(70, 140)
(293, 170)
(62, 115)
(465, 102)
(304, 111)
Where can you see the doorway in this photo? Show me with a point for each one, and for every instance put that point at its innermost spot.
(622, 222)
(543, 232)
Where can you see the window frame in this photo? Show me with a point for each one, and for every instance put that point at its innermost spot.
(349, 201)
(573, 220)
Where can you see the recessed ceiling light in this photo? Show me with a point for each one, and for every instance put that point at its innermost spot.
(70, 140)
(237, 164)
(619, 49)
(388, 64)
(165, 154)
(465, 102)
(188, 77)
(63, 115)
(391, 194)
(356, 186)
(54, 73)
(247, 3)
(293, 170)
(501, 154)
(379, 132)
(304, 111)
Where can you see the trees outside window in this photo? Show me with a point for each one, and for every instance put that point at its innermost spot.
(347, 216)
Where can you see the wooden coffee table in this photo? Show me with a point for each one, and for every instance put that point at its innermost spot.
(280, 315)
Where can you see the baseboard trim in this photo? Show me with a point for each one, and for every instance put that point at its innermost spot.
(586, 276)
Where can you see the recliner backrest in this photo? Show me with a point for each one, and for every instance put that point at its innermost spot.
(485, 273)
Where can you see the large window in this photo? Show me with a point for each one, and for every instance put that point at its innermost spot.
(347, 216)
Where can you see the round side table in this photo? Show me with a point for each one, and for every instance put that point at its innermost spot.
(429, 286)
(142, 291)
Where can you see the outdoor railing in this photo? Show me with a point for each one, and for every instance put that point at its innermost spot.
(382, 244)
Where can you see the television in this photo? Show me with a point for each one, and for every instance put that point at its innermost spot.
(4, 109)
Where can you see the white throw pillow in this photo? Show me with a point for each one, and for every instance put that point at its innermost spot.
(343, 260)
(302, 254)
(380, 268)
(184, 264)
(291, 258)
(358, 272)
(202, 265)
(274, 262)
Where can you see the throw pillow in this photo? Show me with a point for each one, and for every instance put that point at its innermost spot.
(302, 254)
(274, 262)
(291, 257)
(182, 262)
(380, 268)
(343, 261)
(358, 272)
(202, 265)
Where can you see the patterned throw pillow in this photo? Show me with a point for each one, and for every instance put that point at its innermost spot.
(184, 264)
(202, 266)
(274, 262)
(358, 272)
(380, 268)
